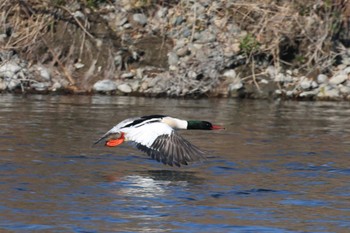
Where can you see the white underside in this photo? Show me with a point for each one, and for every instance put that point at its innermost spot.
(147, 133)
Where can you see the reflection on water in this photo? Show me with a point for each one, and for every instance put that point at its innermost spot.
(278, 167)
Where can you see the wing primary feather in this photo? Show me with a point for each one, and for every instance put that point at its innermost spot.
(172, 150)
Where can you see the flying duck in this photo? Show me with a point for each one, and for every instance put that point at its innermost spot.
(156, 135)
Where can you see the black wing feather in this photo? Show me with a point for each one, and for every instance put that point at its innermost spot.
(173, 150)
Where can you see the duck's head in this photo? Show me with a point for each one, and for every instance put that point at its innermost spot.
(203, 125)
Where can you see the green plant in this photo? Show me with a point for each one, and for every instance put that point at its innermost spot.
(249, 44)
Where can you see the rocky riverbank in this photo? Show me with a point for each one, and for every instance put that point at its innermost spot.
(178, 48)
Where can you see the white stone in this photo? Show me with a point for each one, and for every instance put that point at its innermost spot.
(42, 86)
(347, 70)
(338, 79)
(44, 73)
(13, 84)
(283, 78)
(2, 85)
(56, 86)
(3, 37)
(322, 78)
(305, 83)
(79, 14)
(125, 88)
(272, 71)
(264, 81)
(173, 59)
(78, 65)
(290, 93)
(328, 92)
(105, 85)
(235, 86)
(230, 74)
(128, 75)
(140, 18)
(344, 89)
(135, 85)
(314, 84)
(9, 69)
(308, 94)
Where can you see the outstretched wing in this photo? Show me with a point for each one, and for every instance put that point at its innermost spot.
(172, 149)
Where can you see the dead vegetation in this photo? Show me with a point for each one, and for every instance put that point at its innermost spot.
(47, 32)
(294, 34)
(303, 35)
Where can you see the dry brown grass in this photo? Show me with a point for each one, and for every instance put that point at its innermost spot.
(295, 33)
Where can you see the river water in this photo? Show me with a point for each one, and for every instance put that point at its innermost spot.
(278, 167)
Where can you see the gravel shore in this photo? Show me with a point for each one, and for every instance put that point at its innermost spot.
(184, 49)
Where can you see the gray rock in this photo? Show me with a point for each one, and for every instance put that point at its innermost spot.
(338, 79)
(344, 89)
(56, 86)
(3, 85)
(235, 86)
(272, 72)
(308, 94)
(9, 69)
(79, 14)
(346, 70)
(140, 19)
(44, 73)
(135, 85)
(322, 78)
(205, 36)
(327, 91)
(78, 65)
(125, 88)
(152, 82)
(105, 85)
(283, 78)
(41, 86)
(173, 59)
(182, 52)
(128, 75)
(178, 20)
(3, 37)
(305, 83)
(186, 32)
(13, 84)
(161, 13)
(230, 74)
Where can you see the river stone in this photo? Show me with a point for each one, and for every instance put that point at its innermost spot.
(105, 85)
(9, 69)
(140, 19)
(328, 92)
(338, 79)
(347, 70)
(2, 85)
(230, 74)
(128, 75)
(322, 78)
(13, 84)
(344, 89)
(42, 86)
(44, 73)
(305, 83)
(56, 86)
(309, 94)
(125, 88)
(173, 59)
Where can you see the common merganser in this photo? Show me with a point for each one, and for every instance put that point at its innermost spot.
(156, 135)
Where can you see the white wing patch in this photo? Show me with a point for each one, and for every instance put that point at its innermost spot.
(146, 134)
